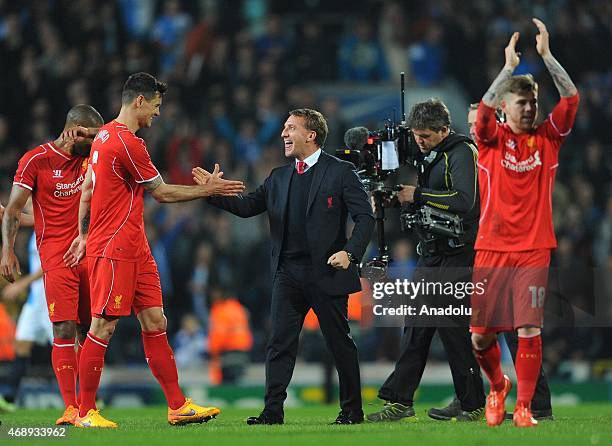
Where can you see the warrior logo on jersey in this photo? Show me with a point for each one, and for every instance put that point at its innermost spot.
(511, 144)
(57, 173)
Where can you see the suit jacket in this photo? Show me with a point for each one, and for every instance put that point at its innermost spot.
(335, 192)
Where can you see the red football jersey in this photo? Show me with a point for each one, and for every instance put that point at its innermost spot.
(120, 163)
(55, 180)
(516, 174)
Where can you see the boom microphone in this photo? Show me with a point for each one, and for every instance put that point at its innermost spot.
(355, 138)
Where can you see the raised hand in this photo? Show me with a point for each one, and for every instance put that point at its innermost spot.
(512, 56)
(542, 40)
(73, 135)
(215, 184)
(202, 176)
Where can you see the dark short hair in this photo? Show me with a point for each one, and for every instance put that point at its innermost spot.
(84, 115)
(431, 114)
(142, 84)
(315, 122)
(520, 84)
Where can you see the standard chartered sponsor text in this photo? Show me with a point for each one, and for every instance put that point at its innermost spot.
(68, 189)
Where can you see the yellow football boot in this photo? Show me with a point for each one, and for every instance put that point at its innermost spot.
(94, 419)
(191, 413)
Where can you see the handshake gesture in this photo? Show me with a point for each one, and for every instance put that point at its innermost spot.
(542, 45)
(214, 182)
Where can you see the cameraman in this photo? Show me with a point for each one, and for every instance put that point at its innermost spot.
(447, 181)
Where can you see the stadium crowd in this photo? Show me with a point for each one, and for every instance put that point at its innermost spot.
(236, 67)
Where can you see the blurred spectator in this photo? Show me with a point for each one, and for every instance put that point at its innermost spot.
(189, 343)
(361, 57)
(169, 32)
(137, 16)
(394, 36)
(314, 55)
(230, 337)
(200, 282)
(427, 57)
(184, 152)
(273, 43)
(330, 107)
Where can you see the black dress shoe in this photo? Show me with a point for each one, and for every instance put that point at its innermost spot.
(348, 418)
(264, 418)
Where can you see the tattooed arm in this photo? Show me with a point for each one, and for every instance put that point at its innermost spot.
(10, 225)
(211, 184)
(560, 77)
(77, 248)
(25, 218)
(85, 204)
(493, 95)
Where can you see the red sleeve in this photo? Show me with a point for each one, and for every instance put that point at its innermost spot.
(27, 169)
(136, 158)
(486, 124)
(561, 120)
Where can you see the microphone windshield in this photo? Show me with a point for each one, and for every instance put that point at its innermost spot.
(355, 138)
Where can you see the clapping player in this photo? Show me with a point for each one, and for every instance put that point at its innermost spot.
(517, 165)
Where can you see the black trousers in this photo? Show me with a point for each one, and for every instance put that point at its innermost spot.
(293, 294)
(401, 385)
(541, 396)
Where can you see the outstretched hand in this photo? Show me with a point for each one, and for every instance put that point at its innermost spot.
(512, 56)
(13, 290)
(542, 41)
(202, 176)
(214, 182)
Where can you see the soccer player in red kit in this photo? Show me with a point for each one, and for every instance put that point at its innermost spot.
(52, 174)
(122, 272)
(517, 164)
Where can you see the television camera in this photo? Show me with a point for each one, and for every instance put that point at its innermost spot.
(378, 153)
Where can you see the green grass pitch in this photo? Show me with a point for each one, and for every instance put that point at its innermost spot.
(579, 425)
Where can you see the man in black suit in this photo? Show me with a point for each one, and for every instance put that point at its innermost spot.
(314, 265)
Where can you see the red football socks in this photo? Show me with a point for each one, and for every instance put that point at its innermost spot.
(79, 349)
(528, 364)
(161, 362)
(90, 370)
(490, 362)
(64, 361)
